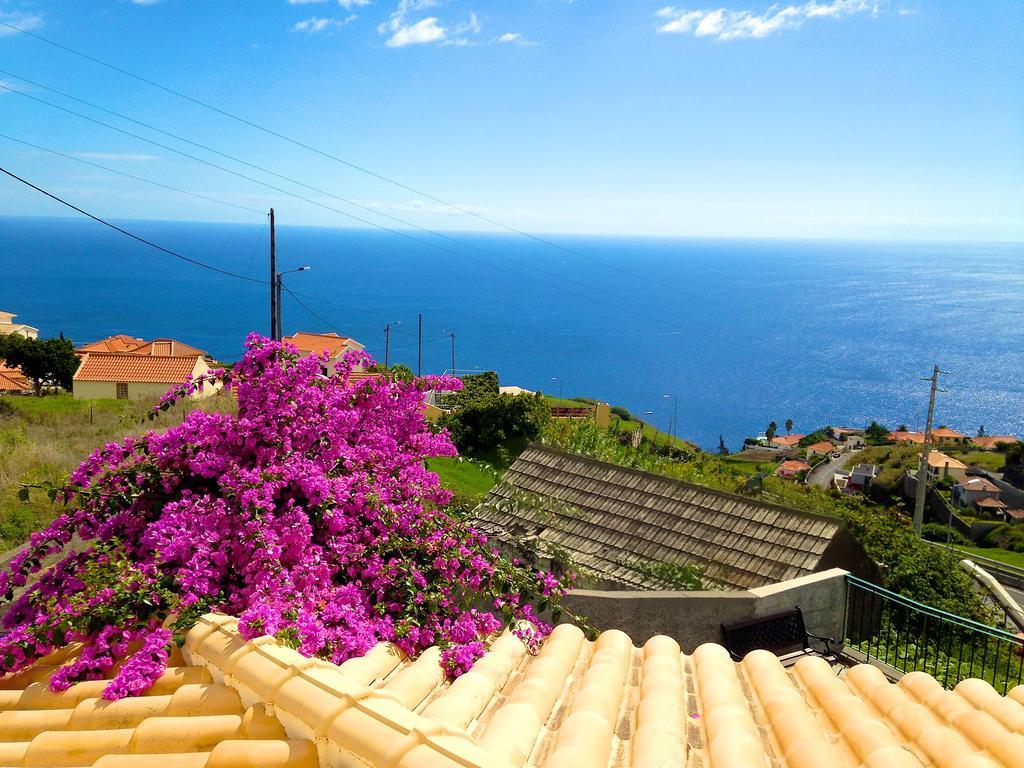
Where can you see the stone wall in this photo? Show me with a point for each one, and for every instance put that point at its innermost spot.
(693, 618)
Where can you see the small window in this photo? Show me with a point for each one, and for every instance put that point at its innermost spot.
(122, 391)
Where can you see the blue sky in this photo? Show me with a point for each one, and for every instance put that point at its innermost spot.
(836, 118)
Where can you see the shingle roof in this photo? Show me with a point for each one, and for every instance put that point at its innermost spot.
(992, 503)
(12, 379)
(129, 367)
(940, 460)
(608, 517)
(576, 704)
(945, 432)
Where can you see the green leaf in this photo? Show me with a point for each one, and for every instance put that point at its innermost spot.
(23, 493)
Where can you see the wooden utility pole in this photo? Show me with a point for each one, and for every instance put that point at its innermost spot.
(387, 344)
(419, 347)
(926, 447)
(273, 279)
(453, 353)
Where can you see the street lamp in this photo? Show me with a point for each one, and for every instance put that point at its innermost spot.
(452, 334)
(278, 285)
(559, 380)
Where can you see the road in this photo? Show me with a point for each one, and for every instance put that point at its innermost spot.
(821, 475)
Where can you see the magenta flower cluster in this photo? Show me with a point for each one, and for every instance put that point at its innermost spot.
(309, 515)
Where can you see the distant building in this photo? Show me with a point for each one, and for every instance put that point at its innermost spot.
(860, 477)
(791, 469)
(13, 381)
(786, 441)
(8, 326)
(992, 442)
(841, 433)
(853, 442)
(971, 490)
(119, 343)
(940, 465)
(907, 438)
(514, 390)
(622, 528)
(945, 436)
(119, 368)
(318, 343)
(824, 448)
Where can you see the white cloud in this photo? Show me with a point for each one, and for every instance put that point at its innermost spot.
(115, 156)
(907, 12)
(726, 24)
(349, 4)
(315, 24)
(22, 20)
(515, 38)
(429, 29)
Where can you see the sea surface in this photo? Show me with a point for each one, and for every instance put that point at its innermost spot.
(726, 334)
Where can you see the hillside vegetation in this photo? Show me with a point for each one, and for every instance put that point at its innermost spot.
(42, 439)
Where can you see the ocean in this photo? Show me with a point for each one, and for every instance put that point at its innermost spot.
(727, 334)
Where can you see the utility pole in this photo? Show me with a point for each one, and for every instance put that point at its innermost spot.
(926, 447)
(419, 347)
(387, 344)
(280, 282)
(273, 279)
(453, 353)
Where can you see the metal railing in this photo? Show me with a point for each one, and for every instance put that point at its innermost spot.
(907, 636)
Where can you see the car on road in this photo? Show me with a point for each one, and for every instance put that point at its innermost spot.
(837, 455)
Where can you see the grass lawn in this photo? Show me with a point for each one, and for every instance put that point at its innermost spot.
(993, 461)
(650, 433)
(43, 438)
(994, 553)
(565, 402)
(743, 468)
(471, 478)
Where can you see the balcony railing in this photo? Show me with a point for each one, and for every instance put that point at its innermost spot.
(907, 636)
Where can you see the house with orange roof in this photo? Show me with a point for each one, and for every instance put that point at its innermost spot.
(317, 343)
(791, 469)
(135, 376)
(992, 442)
(8, 326)
(824, 448)
(940, 465)
(972, 490)
(946, 436)
(907, 438)
(120, 342)
(786, 441)
(13, 381)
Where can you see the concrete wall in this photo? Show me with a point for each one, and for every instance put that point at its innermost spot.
(693, 618)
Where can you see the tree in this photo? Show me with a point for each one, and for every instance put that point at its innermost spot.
(789, 426)
(902, 428)
(483, 421)
(47, 362)
(722, 449)
(770, 432)
(981, 431)
(876, 431)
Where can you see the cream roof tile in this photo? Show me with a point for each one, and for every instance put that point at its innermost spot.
(576, 704)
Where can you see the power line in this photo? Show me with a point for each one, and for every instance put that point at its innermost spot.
(310, 310)
(132, 235)
(127, 175)
(283, 177)
(368, 222)
(364, 170)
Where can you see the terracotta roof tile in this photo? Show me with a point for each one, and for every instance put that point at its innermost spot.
(945, 432)
(824, 445)
(978, 484)
(118, 343)
(166, 348)
(320, 342)
(990, 442)
(128, 367)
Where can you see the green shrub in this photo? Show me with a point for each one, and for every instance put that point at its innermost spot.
(1009, 537)
(943, 533)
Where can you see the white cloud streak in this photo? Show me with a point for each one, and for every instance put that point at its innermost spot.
(515, 38)
(314, 25)
(724, 24)
(20, 19)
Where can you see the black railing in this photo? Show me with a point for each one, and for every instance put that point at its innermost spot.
(906, 635)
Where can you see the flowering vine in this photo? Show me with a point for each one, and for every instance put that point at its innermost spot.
(309, 515)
